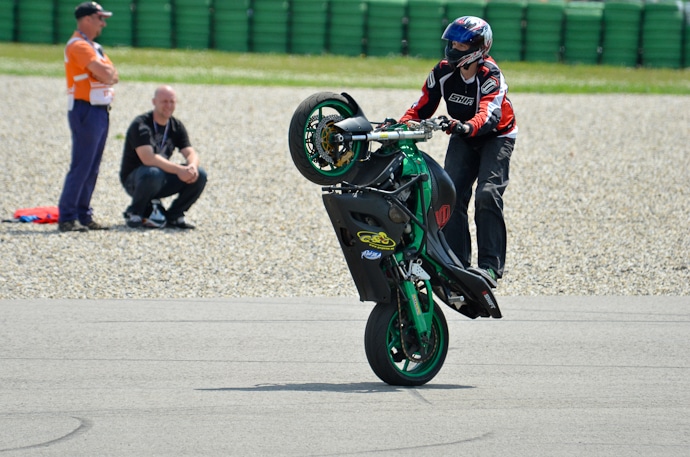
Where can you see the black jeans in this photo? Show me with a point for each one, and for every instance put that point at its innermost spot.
(147, 183)
(486, 161)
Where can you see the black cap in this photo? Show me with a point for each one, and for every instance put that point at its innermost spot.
(89, 8)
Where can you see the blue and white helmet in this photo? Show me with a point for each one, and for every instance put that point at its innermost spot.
(475, 32)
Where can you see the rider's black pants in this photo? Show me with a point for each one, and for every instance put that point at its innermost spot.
(486, 161)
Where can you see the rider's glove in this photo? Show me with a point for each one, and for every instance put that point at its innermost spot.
(387, 122)
(455, 126)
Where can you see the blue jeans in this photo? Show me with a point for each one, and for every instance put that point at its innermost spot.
(147, 183)
(89, 126)
(486, 161)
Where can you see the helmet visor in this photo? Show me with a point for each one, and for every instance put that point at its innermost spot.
(455, 32)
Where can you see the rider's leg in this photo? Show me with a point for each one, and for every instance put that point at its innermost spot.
(492, 181)
(461, 164)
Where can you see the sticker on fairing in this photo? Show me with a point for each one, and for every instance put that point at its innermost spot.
(371, 254)
(443, 215)
(376, 240)
(488, 299)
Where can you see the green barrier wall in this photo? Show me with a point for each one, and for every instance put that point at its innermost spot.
(348, 19)
(7, 20)
(269, 32)
(506, 19)
(35, 21)
(426, 21)
(152, 23)
(230, 25)
(384, 32)
(64, 20)
(544, 30)
(621, 40)
(662, 34)
(651, 33)
(582, 32)
(309, 27)
(458, 8)
(192, 24)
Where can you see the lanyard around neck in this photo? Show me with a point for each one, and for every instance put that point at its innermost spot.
(83, 35)
(95, 47)
(165, 134)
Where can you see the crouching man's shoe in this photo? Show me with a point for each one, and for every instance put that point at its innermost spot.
(134, 221)
(180, 223)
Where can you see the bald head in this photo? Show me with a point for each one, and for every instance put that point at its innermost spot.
(164, 101)
(164, 90)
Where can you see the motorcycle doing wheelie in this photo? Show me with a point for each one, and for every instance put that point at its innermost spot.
(388, 206)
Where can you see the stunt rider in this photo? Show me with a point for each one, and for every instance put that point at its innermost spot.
(482, 137)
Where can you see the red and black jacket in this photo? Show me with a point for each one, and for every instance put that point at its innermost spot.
(481, 102)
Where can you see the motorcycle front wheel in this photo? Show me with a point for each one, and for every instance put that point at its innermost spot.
(311, 128)
(411, 365)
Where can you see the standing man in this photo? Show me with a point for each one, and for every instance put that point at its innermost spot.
(90, 79)
(147, 173)
(483, 133)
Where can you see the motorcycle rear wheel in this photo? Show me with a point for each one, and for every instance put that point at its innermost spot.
(311, 126)
(383, 346)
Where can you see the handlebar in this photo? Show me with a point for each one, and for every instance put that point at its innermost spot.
(420, 130)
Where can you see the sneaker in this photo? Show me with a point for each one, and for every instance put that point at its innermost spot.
(180, 223)
(156, 217)
(152, 223)
(93, 225)
(134, 221)
(70, 226)
(488, 274)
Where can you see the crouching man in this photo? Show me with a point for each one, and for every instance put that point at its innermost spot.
(148, 174)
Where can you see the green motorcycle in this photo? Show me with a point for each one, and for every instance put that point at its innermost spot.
(388, 205)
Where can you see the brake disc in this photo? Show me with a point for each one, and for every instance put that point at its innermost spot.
(322, 134)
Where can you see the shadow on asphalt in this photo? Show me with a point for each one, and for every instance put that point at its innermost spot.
(355, 387)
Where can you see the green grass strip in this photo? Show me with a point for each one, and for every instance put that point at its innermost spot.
(335, 72)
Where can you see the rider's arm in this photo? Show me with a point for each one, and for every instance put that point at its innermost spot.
(493, 96)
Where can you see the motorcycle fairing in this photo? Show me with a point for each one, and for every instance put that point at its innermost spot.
(367, 236)
(442, 193)
(357, 124)
(479, 298)
(376, 170)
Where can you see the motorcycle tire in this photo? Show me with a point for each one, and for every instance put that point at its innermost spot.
(312, 124)
(385, 353)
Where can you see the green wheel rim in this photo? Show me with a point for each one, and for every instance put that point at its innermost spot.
(315, 132)
(407, 367)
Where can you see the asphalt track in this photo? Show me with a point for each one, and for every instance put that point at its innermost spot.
(558, 376)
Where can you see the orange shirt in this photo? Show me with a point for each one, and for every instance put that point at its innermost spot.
(81, 84)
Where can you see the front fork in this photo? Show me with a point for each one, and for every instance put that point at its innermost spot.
(412, 275)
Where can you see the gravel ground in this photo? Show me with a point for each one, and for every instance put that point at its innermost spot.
(598, 204)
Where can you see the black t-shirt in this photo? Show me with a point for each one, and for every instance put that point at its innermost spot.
(163, 138)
